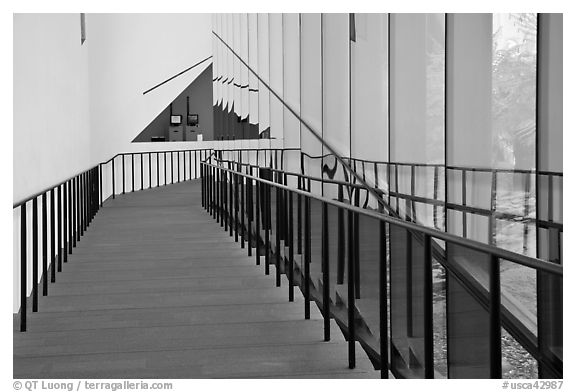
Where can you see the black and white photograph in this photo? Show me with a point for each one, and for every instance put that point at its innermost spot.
(220, 194)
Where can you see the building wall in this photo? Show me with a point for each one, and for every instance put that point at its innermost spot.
(130, 53)
(51, 116)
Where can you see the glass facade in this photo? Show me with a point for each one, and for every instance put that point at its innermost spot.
(453, 121)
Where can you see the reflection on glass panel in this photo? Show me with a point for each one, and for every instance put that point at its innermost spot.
(514, 90)
(417, 70)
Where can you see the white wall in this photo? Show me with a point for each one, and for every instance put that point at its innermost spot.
(129, 53)
(51, 119)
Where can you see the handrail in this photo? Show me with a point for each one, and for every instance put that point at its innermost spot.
(310, 128)
(526, 261)
(175, 76)
(35, 195)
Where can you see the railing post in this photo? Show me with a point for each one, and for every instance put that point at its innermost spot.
(35, 254)
(299, 221)
(123, 175)
(226, 201)
(383, 304)
(70, 222)
(61, 228)
(52, 240)
(242, 210)
(171, 167)
(258, 185)
(113, 179)
(132, 167)
(278, 229)
(495, 322)
(267, 220)
(217, 194)
(149, 170)
(44, 245)
(249, 210)
(325, 273)
(351, 292)
(307, 256)
(231, 205)
(356, 245)
(23, 268)
(341, 239)
(141, 171)
(291, 248)
(66, 221)
(428, 310)
(236, 201)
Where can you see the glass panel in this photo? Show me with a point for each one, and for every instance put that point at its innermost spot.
(276, 76)
(291, 66)
(550, 319)
(467, 319)
(368, 282)
(264, 73)
(369, 70)
(335, 92)
(311, 94)
(406, 303)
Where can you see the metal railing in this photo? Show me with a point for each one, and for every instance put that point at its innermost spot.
(386, 278)
(67, 209)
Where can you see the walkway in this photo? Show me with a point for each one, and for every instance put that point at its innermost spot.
(157, 289)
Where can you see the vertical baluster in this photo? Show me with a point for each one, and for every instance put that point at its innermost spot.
(149, 170)
(258, 187)
(61, 227)
(226, 202)
(307, 256)
(428, 310)
(249, 212)
(236, 222)
(123, 175)
(278, 235)
(231, 206)
(113, 179)
(217, 193)
(101, 201)
(267, 213)
(351, 292)
(132, 171)
(464, 201)
(35, 254)
(52, 240)
(242, 210)
(44, 244)
(325, 273)
(341, 239)
(65, 223)
(23, 268)
(356, 245)
(383, 304)
(495, 322)
(291, 247)
(299, 220)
